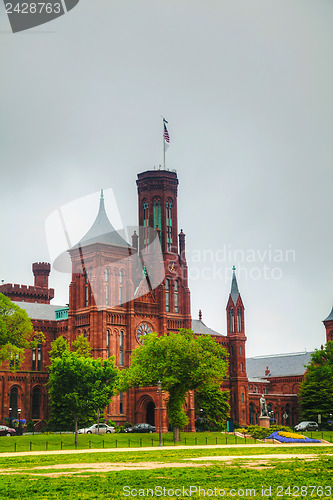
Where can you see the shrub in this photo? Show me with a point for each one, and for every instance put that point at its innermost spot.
(258, 432)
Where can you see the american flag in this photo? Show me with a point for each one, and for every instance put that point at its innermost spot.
(166, 135)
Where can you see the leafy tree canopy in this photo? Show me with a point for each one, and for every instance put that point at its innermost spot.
(16, 332)
(80, 385)
(211, 405)
(316, 389)
(182, 362)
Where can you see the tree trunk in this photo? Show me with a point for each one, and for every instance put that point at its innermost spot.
(176, 434)
(75, 423)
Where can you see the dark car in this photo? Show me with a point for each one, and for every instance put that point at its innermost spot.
(141, 428)
(306, 426)
(7, 431)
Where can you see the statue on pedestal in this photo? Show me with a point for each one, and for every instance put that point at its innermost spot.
(263, 407)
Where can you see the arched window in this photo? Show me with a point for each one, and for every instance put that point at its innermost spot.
(121, 348)
(175, 298)
(108, 343)
(145, 223)
(157, 214)
(107, 286)
(36, 400)
(121, 294)
(167, 295)
(243, 397)
(86, 289)
(169, 225)
(121, 411)
(240, 350)
(39, 357)
(13, 402)
(239, 319)
(232, 320)
(251, 413)
(243, 415)
(85, 333)
(241, 367)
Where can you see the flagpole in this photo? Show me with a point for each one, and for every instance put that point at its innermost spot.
(163, 144)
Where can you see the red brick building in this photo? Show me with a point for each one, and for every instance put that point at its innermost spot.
(120, 292)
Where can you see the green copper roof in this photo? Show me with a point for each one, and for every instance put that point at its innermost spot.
(102, 231)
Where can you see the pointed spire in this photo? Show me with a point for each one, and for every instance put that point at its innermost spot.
(102, 195)
(234, 287)
(200, 315)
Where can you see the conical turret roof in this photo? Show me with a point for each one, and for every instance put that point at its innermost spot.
(102, 231)
(330, 316)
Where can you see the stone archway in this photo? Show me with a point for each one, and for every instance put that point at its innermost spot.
(150, 413)
(145, 410)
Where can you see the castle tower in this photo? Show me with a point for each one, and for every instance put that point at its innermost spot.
(239, 398)
(41, 271)
(328, 322)
(157, 193)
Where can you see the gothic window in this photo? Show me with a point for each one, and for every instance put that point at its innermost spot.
(232, 320)
(107, 286)
(169, 225)
(36, 400)
(121, 411)
(108, 343)
(234, 397)
(240, 350)
(243, 397)
(13, 402)
(239, 319)
(145, 223)
(251, 413)
(176, 302)
(86, 289)
(157, 214)
(121, 280)
(121, 348)
(39, 357)
(34, 356)
(167, 295)
(241, 367)
(243, 415)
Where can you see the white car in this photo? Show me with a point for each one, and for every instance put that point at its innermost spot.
(93, 429)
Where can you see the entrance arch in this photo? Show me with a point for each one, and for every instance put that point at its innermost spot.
(145, 410)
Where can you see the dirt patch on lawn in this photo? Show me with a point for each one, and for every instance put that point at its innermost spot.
(68, 469)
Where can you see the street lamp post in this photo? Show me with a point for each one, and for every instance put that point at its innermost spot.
(10, 417)
(19, 421)
(159, 387)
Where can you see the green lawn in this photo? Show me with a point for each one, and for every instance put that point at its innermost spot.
(25, 483)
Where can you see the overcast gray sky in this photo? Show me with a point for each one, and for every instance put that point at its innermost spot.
(246, 86)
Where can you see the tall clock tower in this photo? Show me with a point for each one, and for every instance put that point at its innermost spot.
(157, 191)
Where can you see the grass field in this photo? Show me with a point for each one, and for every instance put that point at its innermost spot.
(44, 442)
(170, 474)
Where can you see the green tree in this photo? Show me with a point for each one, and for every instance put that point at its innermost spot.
(211, 404)
(316, 392)
(182, 362)
(16, 332)
(79, 386)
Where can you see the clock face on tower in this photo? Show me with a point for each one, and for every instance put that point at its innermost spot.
(142, 330)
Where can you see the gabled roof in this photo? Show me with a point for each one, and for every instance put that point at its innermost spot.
(102, 231)
(330, 316)
(199, 327)
(279, 365)
(39, 311)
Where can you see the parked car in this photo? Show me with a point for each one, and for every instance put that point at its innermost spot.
(306, 426)
(7, 431)
(93, 429)
(141, 428)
